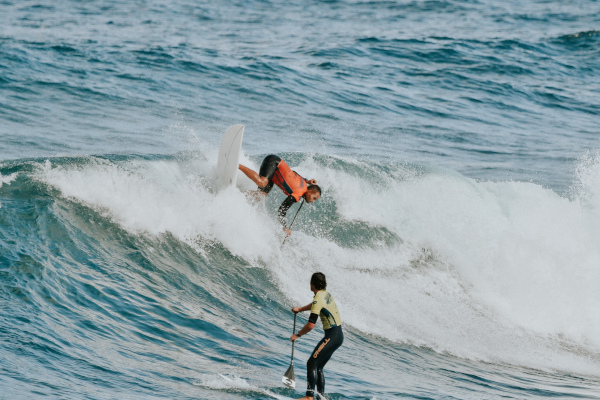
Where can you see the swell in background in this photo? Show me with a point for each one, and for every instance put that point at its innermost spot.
(494, 91)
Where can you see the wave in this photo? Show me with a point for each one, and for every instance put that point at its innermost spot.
(494, 271)
(583, 38)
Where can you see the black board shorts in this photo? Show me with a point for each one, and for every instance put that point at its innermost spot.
(268, 169)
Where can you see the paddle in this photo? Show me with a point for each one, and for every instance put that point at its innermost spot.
(289, 379)
(292, 224)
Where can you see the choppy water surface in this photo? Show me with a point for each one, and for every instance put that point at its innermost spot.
(456, 142)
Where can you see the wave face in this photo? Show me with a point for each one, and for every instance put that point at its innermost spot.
(135, 274)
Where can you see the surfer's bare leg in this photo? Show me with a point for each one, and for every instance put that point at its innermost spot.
(306, 398)
(260, 181)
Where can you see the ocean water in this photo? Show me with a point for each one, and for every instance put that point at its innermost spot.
(457, 146)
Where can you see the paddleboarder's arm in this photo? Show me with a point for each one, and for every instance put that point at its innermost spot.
(309, 325)
(300, 309)
(307, 328)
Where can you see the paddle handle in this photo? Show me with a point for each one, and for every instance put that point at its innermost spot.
(292, 224)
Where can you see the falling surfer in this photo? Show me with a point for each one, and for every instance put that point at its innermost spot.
(274, 170)
(322, 306)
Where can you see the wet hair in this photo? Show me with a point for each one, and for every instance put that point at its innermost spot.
(315, 188)
(318, 281)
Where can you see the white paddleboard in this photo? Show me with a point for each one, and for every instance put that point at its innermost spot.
(229, 155)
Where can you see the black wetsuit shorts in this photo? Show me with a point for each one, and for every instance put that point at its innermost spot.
(268, 169)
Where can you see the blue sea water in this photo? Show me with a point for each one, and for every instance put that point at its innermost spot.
(457, 146)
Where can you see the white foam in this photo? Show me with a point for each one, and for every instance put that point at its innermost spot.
(4, 180)
(7, 179)
(157, 197)
(220, 381)
(509, 270)
(495, 271)
(232, 383)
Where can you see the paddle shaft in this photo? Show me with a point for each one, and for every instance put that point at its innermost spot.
(292, 224)
(293, 333)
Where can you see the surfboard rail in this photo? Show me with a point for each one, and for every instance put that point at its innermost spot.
(229, 155)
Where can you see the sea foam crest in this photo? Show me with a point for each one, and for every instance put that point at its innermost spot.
(496, 271)
(7, 180)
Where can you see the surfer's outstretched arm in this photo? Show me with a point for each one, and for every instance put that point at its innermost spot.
(282, 211)
(260, 181)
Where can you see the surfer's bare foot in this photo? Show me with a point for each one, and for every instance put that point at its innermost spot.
(255, 195)
(306, 398)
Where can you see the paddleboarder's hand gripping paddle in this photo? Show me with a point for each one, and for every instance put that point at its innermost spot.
(290, 231)
(289, 379)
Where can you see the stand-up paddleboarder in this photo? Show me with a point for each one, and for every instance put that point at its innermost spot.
(322, 306)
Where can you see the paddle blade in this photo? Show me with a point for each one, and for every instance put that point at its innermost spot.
(289, 379)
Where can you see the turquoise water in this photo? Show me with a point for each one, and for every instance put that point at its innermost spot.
(456, 143)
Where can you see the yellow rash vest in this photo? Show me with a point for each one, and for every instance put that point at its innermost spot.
(324, 306)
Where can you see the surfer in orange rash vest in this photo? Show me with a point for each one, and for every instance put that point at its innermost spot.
(274, 170)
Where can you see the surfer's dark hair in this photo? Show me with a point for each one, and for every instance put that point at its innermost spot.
(318, 281)
(315, 188)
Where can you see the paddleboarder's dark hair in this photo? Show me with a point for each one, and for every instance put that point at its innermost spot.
(315, 188)
(318, 281)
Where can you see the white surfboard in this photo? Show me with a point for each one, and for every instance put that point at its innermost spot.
(229, 155)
